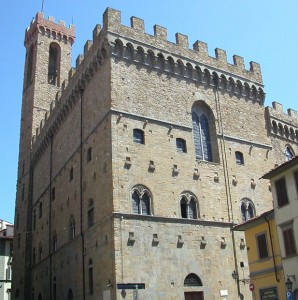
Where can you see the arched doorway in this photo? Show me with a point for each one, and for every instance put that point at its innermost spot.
(190, 281)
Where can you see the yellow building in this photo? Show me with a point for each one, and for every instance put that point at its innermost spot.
(264, 259)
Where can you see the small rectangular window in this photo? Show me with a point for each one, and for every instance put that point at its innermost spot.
(289, 240)
(138, 136)
(262, 246)
(239, 158)
(180, 145)
(281, 192)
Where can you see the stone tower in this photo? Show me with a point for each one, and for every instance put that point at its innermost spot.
(48, 60)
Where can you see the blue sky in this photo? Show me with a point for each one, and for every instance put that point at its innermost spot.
(263, 31)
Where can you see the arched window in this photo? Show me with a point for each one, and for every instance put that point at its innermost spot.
(138, 136)
(72, 228)
(188, 206)
(69, 295)
(192, 280)
(204, 132)
(54, 64)
(141, 200)
(90, 272)
(247, 209)
(289, 154)
(183, 207)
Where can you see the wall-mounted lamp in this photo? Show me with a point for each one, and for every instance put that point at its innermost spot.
(235, 276)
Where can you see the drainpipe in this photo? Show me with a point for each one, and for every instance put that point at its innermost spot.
(50, 213)
(273, 254)
(81, 191)
(226, 177)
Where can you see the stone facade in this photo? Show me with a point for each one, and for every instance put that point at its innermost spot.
(80, 164)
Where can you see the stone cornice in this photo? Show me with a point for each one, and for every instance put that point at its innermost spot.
(157, 219)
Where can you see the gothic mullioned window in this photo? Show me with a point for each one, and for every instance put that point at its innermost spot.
(141, 200)
(247, 209)
(188, 206)
(54, 64)
(204, 132)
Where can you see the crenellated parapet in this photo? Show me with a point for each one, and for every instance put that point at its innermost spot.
(134, 46)
(281, 124)
(48, 27)
(196, 57)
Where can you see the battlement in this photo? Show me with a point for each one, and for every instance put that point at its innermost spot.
(277, 110)
(199, 52)
(133, 45)
(284, 124)
(48, 26)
